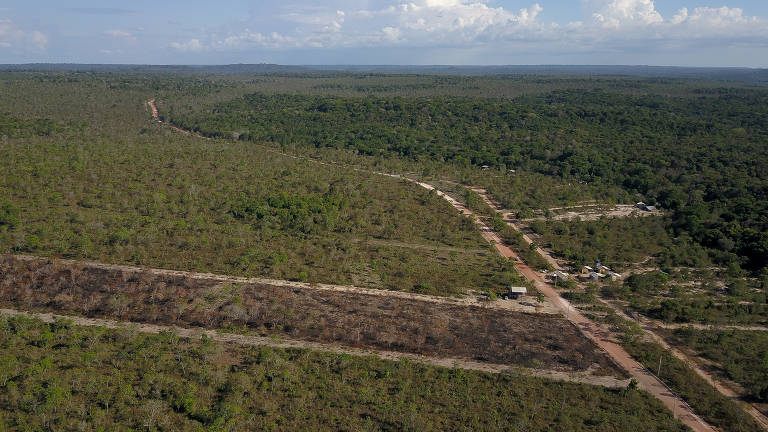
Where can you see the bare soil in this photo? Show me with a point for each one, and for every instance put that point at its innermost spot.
(301, 312)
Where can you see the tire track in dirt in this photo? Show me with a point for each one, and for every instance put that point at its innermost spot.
(231, 338)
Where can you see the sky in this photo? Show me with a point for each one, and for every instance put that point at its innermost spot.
(382, 32)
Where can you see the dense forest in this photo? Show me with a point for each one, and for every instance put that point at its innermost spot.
(703, 157)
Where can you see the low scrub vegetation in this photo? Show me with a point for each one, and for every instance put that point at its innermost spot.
(63, 377)
(715, 408)
(742, 356)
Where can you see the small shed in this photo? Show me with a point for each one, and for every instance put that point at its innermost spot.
(558, 275)
(595, 277)
(645, 207)
(516, 292)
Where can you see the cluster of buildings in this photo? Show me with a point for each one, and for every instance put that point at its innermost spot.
(598, 273)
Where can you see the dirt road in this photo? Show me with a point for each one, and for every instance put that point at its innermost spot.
(719, 386)
(196, 333)
(156, 116)
(646, 380)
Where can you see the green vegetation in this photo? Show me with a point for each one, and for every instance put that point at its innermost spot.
(15, 128)
(616, 242)
(713, 407)
(124, 191)
(60, 376)
(670, 297)
(742, 355)
(702, 157)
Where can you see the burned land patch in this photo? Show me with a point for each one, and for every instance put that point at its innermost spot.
(325, 316)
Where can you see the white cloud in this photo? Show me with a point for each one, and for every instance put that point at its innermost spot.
(11, 36)
(618, 13)
(608, 25)
(120, 34)
(192, 45)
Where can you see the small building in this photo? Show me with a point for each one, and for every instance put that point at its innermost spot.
(557, 275)
(485, 167)
(515, 293)
(587, 269)
(645, 207)
(592, 276)
(615, 276)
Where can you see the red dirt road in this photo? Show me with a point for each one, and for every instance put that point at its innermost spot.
(156, 116)
(646, 380)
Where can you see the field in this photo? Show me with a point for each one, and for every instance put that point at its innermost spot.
(479, 333)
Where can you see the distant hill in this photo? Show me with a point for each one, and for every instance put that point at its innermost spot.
(720, 74)
(234, 69)
(742, 75)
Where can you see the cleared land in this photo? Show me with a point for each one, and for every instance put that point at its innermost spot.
(353, 319)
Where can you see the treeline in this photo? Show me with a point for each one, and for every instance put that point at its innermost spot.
(703, 158)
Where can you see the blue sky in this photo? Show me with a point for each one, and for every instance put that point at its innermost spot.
(663, 32)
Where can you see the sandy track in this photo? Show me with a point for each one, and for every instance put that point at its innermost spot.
(725, 390)
(196, 333)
